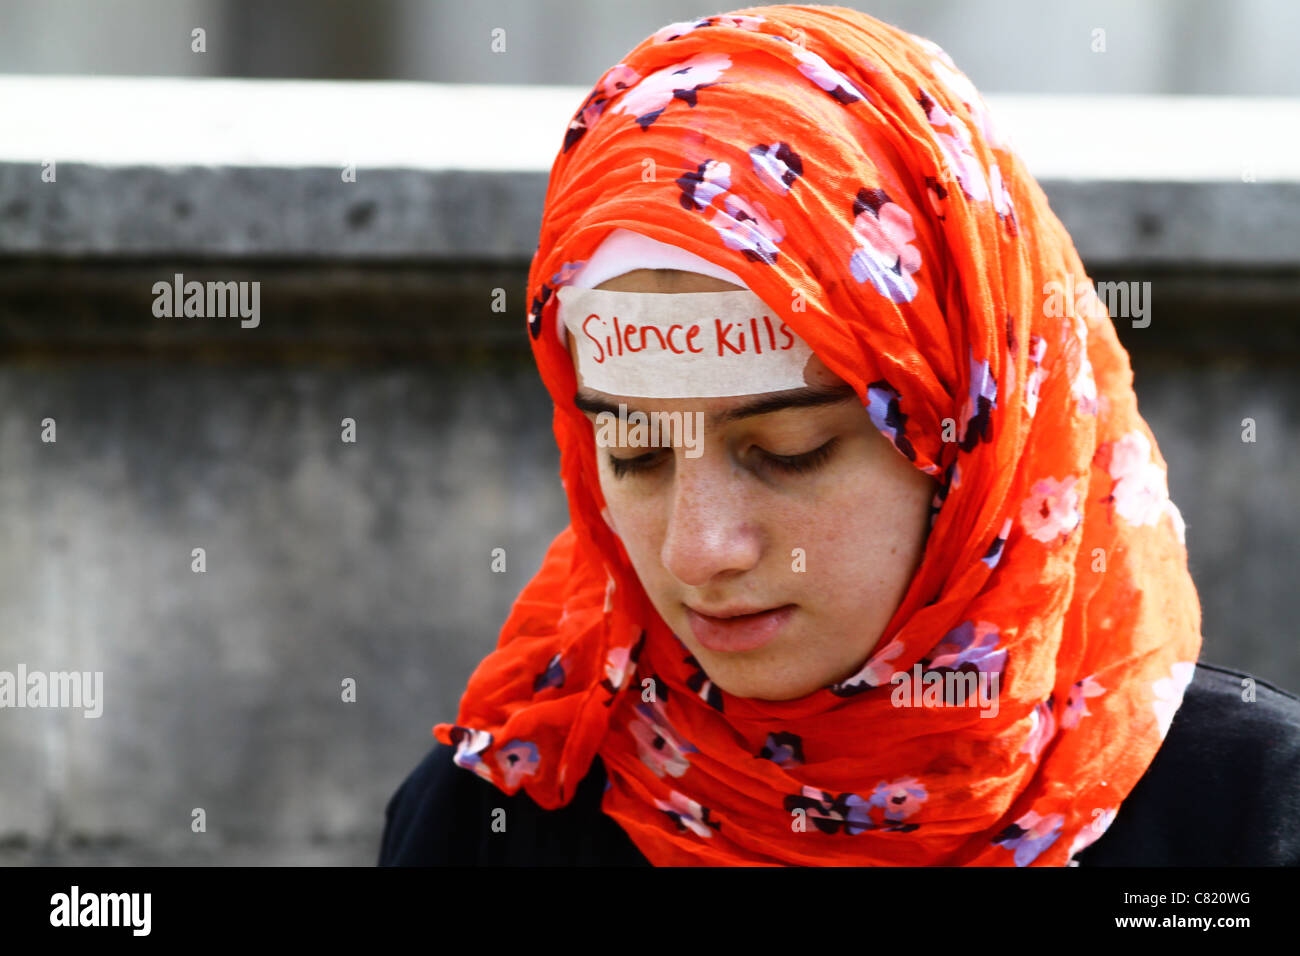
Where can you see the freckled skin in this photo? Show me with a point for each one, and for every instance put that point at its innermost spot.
(720, 530)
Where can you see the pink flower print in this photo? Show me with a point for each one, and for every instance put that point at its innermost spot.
(517, 759)
(777, 165)
(1076, 704)
(616, 79)
(688, 815)
(945, 70)
(1037, 349)
(1092, 832)
(1052, 509)
(748, 228)
(1031, 835)
(699, 188)
(680, 29)
(1168, 693)
(962, 161)
(651, 96)
(899, 798)
(1141, 486)
(884, 255)
(470, 745)
(825, 76)
(617, 663)
(661, 748)
(1042, 728)
(875, 673)
(1002, 203)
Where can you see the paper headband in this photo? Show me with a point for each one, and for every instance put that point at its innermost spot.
(681, 345)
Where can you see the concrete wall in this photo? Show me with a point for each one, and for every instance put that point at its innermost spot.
(371, 560)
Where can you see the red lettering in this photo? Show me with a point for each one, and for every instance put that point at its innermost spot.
(721, 335)
(671, 329)
(771, 337)
(785, 330)
(600, 353)
(658, 334)
(758, 347)
(628, 331)
(690, 337)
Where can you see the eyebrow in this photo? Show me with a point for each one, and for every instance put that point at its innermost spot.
(778, 401)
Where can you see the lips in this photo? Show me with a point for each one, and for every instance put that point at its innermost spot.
(734, 630)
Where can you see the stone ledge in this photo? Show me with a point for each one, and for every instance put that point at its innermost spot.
(251, 169)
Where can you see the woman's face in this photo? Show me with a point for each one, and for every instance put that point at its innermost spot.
(809, 510)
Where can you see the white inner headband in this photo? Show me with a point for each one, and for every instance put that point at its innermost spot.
(674, 345)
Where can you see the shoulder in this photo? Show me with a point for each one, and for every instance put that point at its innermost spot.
(1224, 788)
(444, 815)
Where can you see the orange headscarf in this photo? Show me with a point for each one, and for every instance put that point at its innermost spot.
(817, 149)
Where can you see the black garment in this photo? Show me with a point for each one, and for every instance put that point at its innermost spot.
(1223, 790)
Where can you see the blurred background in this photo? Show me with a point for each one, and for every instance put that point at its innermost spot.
(1170, 154)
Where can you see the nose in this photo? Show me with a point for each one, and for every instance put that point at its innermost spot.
(713, 527)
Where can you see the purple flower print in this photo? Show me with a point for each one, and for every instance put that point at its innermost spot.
(517, 759)
(661, 748)
(552, 676)
(851, 813)
(994, 553)
(470, 745)
(970, 642)
(884, 254)
(977, 413)
(887, 416)
(699, 188)
(1042, 728)
(688, 815)
(1031, 835)
(1052, 509)
(777, 165)
(1076, 704)
(567, 271)
(825, 76)
(681, 81)
(783, 749)
(616, 79)
(748, 228)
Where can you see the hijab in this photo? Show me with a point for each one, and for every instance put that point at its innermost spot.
(819, 150)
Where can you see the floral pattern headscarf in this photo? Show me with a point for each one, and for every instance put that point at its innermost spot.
(817, 149)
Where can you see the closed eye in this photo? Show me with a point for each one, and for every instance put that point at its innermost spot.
(790, 464)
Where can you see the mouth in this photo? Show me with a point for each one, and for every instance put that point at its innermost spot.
(734, 630)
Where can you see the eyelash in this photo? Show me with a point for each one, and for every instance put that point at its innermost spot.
(790, 464)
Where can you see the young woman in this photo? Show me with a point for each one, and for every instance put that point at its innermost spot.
(871, 556)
